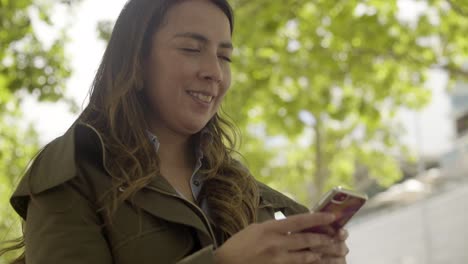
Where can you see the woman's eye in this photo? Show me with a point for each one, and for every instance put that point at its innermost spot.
(190, 50)
(226, 58)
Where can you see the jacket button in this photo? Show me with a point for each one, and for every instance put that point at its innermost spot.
(196, 183)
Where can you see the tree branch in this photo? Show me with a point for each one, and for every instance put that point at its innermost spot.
(458, 9)
(454, 71)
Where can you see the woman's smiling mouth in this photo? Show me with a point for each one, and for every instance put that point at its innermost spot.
(205, 98)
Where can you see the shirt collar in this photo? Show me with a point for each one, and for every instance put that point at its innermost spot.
(203, 139)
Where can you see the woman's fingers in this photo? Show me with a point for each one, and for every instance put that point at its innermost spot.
(281, 241)
(299, 222)
(324, 229)
(298, 241)
(302, 257)
(342, 235)
(338, 249)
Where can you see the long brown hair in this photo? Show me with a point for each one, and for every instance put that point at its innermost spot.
(117, 110)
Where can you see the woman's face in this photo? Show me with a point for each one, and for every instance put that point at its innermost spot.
(188, 71)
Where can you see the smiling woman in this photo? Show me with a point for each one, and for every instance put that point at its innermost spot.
(145, 174)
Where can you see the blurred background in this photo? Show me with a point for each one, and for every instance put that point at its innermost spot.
(367, 94)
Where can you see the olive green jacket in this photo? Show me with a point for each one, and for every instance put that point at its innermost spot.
(58, 199)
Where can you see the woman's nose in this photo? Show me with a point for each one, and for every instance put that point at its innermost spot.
(210, 69)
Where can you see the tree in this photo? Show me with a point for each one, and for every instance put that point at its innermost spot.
(28, 67)
(317, 85)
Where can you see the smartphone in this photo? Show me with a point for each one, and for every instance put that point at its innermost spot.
(343, 204)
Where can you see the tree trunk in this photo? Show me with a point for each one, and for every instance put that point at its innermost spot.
(320, 160)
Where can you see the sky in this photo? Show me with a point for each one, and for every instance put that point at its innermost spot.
(431, 131)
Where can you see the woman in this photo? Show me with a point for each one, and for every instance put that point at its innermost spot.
(144, 175)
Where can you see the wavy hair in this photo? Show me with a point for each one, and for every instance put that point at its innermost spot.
(118, 110)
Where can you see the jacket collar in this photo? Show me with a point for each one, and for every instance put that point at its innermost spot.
(158, 198)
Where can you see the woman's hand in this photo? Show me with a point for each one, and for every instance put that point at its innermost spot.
(279, 241)
(336, 252)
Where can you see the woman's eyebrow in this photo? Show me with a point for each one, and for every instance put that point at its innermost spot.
(203, 39)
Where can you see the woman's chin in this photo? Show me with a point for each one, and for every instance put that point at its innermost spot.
(194, 127)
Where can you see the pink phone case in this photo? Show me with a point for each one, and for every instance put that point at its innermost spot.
(343, 204)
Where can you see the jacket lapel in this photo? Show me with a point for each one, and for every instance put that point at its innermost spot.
(160, 200)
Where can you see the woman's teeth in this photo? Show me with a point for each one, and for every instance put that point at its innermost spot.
(202, 97)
